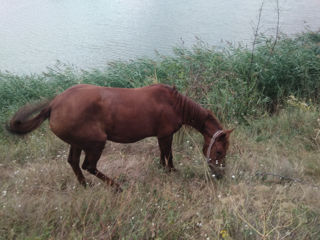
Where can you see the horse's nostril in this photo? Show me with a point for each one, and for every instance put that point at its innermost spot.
(219, 176)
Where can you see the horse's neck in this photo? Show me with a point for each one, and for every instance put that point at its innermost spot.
(191, 113)
(212, 125)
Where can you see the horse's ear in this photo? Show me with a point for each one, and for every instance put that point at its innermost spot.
(229, 131)
(225, 134)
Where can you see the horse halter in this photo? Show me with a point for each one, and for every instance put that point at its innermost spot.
(212, 141)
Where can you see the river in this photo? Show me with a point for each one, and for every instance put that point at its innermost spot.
(34, 34)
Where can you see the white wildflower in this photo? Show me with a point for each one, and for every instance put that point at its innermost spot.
(199, 224)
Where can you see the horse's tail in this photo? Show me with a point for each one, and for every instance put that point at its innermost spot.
(22, 122)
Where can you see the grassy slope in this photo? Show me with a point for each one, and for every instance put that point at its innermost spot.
(40, 198)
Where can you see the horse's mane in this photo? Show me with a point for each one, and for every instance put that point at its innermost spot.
(192, 113)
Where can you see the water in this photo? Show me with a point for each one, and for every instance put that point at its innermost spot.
(35, 34)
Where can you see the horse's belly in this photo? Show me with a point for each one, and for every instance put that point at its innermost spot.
(133, 131)
(128, 133)
(119, 139)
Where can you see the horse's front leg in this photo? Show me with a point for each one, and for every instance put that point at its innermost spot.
(165, 145)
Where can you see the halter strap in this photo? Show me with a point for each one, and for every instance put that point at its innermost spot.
(212, 141)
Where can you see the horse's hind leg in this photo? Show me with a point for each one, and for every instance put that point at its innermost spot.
(74, 160)
(90, 164)
(165, 145)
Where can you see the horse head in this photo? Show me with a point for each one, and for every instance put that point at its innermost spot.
(215, 150)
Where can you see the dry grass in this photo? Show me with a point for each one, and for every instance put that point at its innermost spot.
(41, 199)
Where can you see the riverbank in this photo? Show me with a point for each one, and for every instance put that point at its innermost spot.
(271, 97)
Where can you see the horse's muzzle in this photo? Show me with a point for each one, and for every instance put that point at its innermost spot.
(217, 171)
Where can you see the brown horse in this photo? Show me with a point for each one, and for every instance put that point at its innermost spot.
(86, 116)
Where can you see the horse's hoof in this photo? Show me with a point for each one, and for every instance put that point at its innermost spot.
(118, 189)
(84, 184)
(87, 183)
(173, 170)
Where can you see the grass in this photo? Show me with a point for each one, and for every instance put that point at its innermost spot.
(274, 108)
(41, 199)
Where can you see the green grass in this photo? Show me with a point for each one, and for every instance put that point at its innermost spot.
(273, 103)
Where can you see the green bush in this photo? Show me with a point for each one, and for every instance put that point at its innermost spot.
(291, 67)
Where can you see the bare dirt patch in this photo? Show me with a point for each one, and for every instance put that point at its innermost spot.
(131, 161)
